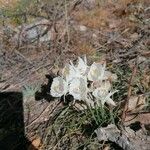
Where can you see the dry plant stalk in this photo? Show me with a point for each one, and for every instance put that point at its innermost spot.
(125, 109)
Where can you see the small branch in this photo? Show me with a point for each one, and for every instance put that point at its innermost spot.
(129, 92)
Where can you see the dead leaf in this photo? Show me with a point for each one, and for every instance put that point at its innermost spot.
(134, 114)
(35, 144)
(128, 139)
(136, 103)
(143, 118)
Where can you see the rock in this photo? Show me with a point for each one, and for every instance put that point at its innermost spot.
(82, 28)
(40, 30)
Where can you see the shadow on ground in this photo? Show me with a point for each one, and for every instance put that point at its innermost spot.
(45, 90)
(12, 131)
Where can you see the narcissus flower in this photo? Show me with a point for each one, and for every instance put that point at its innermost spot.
(103, 95)
(59, 87)
(97, 72)
(78, 88)
(70, 71)
(74, 80)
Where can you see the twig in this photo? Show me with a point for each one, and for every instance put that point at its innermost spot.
(129, 92)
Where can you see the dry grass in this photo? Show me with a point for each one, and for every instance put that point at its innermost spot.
(8, 3)
(126, 2)
(94, 18)
(102, 15)
(84, 48)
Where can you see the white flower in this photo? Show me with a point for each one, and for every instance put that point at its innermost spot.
(78, 88)
(103, 95)
(59, 87)
(82, 65)
(70, 71)
(97, 72)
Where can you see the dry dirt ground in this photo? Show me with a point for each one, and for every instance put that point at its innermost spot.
(117, 32)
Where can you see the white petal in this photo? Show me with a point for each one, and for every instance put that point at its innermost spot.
(82, 65)
(99, 93)
(78, 88)
(102, 89)
(102, 94)
(59, 87)
(110, 94)
(97, 72)
(102, 71)
(95, 93)
(73, 73)
(94, 72)
(110, 102)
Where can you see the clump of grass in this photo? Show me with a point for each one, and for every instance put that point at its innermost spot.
(123, 74)
(75, 129)
(103, 116)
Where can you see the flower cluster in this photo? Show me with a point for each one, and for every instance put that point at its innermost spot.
(91, 84)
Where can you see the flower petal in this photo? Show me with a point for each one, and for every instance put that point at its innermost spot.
(97, 72)
(110, 102)
(94, 72)
(102, 89)
(78, 88)
(102, 71)
(102, 94)
(59, 87)
(82, 65)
